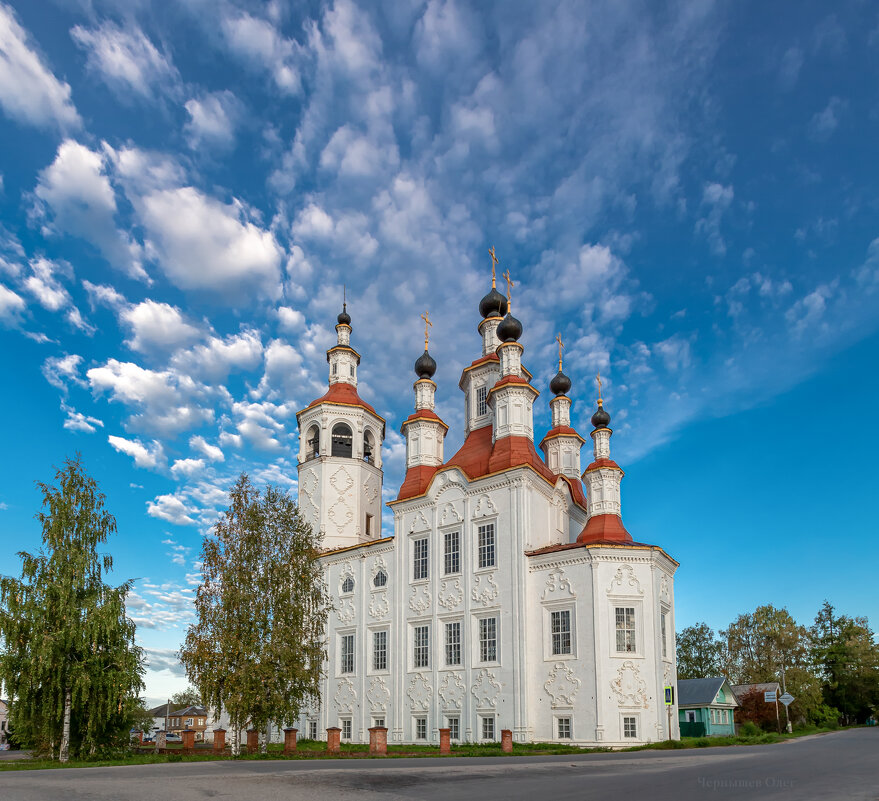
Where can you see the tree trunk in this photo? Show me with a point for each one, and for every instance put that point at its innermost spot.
(64, 751)
(236, 745)
(268, 738)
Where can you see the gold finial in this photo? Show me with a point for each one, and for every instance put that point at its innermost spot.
(510, 285)
(427, 323)
(598, 377)
(494, 263)
(561, 345)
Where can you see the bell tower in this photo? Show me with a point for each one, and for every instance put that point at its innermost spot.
(340, 457)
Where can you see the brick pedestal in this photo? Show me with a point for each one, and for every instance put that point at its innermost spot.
(445, 741)
(506, 741)
(140, 738)
(219, 740)
(252, 741)
(334, 739)
(188, 737)
(290, 741)
(378, 741)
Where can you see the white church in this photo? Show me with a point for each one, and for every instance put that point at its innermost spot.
(510, 595)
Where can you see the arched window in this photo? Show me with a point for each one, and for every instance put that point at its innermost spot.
(368, 447)
(312, 443)
(381, 579)
(342, 440)
(348, 585)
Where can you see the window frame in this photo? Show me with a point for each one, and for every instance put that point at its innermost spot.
(342, 665)
(454, 553)
(420, 652)
(346, 588)
(481, 400)
(418, 559)
(560, 721)
(380, 572)
(623, 602)
(312, 730)
(635, 727)
(664, 616)
(387, 650)
(482, 550)
(483, 720)
(417, 722)
(460, 644)
(454, 731)
(349, 724)
(480, 619)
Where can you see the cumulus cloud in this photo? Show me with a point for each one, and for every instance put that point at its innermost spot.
(44, 283)
(59, 371)
(212, 120)
(11, 305)
(211, 452)
(187, 468)
(218, 357)
(157, 326)
(172, 509)
(258, 43)
(29, 91)
(150, 456)
(77, 421)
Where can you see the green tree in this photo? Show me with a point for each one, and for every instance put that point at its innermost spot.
(187, 697)
(69, 664)
(847, 657)
(699, 652)
(257, 646)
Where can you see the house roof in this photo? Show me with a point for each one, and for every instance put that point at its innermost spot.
(191, 711)
(743, 689)
(168, 709)
(699, 692)
(342, 394)
(161, 710)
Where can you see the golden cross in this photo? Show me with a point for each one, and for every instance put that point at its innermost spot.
(598, 376)
(561, 345)
(494, 263)
(427, 322)
(510, 285)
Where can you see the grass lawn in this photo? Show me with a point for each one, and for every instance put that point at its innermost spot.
(316, 749)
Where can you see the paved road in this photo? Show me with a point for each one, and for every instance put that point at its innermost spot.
(838, 766)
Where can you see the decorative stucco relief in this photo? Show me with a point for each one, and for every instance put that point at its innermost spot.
(452, 691)
(378, 694)
(485, 689)
(562, 685)
(485, 589)
(419, 523)
(345, 610)
(450, 596)
(625, 581)
(420, 691)
(378, 605)
(558, 586)
(664, 594)
(346, 696)
(370, 490)
(628, 687)
(484, 506)
(341, 481)
(449, 514)
(419, 599)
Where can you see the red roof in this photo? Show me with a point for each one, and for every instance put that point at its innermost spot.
(416, 482)
(345, 395)
(424, 414)
(604, 528)
(567, 546)
(603, 463)
(559, 431)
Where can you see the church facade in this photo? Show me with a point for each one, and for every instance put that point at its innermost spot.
(510, 595)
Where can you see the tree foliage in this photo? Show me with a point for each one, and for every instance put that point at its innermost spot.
(187, 697)
(699, 652)
(257, 648)
(69, 664)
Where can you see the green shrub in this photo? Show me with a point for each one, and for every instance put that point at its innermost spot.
(749, 729)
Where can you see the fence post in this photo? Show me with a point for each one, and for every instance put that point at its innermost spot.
(378, 741)
(506, 741)
(445, 741)
(252, 741)
(188, 737)
(334, 739)
(219, 740)
(290, 741)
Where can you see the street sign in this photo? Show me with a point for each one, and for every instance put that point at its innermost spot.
(669, 696)
(770, 697)
(787, 699)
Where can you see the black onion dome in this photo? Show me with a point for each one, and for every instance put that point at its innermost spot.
(601, 419)
(494, 304)
(344, 318)
(425, 366)
(560, 384)
(510, 329)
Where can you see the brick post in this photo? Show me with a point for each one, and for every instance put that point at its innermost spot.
(140, 738)
(445, 741)
(290, 741)
(506, 741)
(334, 739)
(188, 737)
(378, 741)
(219, 740)
(252, 741)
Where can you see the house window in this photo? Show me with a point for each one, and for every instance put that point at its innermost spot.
(421, 651)
(625, 626)
(419, 559)
(312, 729)
(379, 650)
(189, 721)
(488, 639)
(201, 721)
(561, 632)
(452, 552)
(342, 441)
(630, 727)
(564, 728)
(486, 545)
(454, 726)
(381, 579)
(347, 654)
(346, 729)
(312, 443)
(453, 642)
(662, 633)
(481, 405)
(378, 722)
(420, 728)
(368, 447)
(487, 725)
(348, 585)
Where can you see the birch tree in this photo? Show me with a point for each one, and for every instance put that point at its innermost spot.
(257, 646)
(69, 662)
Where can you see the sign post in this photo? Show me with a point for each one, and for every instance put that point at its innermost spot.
(771, 697)
(669, 702)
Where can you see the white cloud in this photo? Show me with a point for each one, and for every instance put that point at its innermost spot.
(212, 120)
(150, 456)
(215, 360)
(716, 198)
(43, 283)
(291, 320)
(157, 326)
(172, 509)
(187, 467)
(59, 370)
(259, 43)
(11, 305)
(126, 60)
(77, 190)
(29, 92)
(825, 122)
(675, 352)
(212, 452)
(77, 421)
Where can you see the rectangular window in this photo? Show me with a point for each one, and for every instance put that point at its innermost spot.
(454, 727)
(564, 728)
(452, 552)
(561, 632)
(453, 643)
(630, 727)
(189, 721)
(419, 559)
(379, 650)
(486, 545)
(625, 623)
(488, 639)
(662, 634)
(347, 654)
(378, 722)
(369, 525)
(312, 729)
(421, 651)
(488, 728)
(351, 368)
(420, 728)
(481, 405)
(346, 729)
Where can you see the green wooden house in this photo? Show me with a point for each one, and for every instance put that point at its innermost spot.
(706, 707)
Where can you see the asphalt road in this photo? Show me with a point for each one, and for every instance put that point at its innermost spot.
(844, 765)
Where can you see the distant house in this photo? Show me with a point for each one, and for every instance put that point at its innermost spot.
(741, 690)
(706, 706)
(161, 716)
(190, 717)
(4, 722)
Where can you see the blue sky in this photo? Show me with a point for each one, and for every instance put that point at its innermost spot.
(688, 193)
